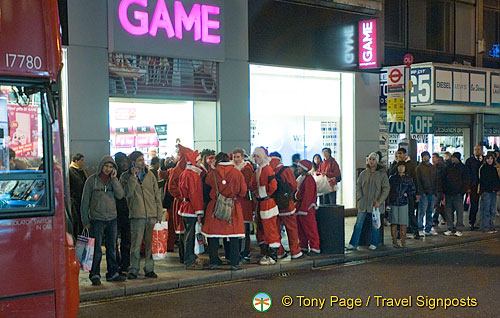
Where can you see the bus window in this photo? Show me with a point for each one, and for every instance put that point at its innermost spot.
(23, 178)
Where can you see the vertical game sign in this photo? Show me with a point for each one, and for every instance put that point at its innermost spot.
(368, 44)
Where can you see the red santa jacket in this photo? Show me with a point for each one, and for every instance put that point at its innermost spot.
(264, 189)
(191, 190)
(288, 177)
(246, 204)
(306, 195)
(331, 169)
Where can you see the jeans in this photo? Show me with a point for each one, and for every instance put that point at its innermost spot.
(425, 207)
(99, 229)
(488, 209)
(329, 198)
(189, 230)
(123, 252)
(360, 219)
(454, 202)
(141, 229)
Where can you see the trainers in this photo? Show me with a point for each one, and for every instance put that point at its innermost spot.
(132, 276)
(448, 233)
(492, 232)
(151, 275)
(116, 278)
(284, 255)
(458, 233)
(421, 233)
(351, 247)
(372, 247)
(96, 281)
(266, 260)
(433, 232)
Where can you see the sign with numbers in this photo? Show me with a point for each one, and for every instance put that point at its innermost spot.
(421, 78)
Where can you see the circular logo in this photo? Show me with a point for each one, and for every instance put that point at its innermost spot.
(261, 302)
(395, 75)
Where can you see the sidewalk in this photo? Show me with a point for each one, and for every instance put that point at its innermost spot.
(171, 274)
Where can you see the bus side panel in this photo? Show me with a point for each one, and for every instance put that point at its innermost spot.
(39, 306)
(27, 256)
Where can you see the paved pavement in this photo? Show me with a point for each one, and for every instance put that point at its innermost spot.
(173, 276)
(464, 277)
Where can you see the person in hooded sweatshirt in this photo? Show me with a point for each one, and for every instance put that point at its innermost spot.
(191, 208)
(98, 208)
(306, 209)
(228, 181)
(372, 188)
(264, 185)
(286, 214)
(489, 186)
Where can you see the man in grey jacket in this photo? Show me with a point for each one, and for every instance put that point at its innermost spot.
(145, 209)
(98, 208)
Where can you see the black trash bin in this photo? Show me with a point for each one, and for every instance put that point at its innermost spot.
(330, 220)
(364, 239)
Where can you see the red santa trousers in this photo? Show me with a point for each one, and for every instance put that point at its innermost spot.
(290, 222)
(268, 233)
(308, 232)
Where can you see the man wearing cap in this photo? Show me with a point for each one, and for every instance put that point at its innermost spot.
(145, 209)
(428, 187)
(191, 208)
(473, 164)
(306, 209)
(455, 180)
(264, 185)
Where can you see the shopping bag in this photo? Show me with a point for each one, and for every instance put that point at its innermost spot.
(85, 250)
(159, 242)
(199, 247)
(323, 186)
(376, 218)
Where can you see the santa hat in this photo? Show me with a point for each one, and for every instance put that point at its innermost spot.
(262, 152)
(182, 151)
(306, 165)
(275, 161)
(192, 157)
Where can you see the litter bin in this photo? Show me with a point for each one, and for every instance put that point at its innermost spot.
(364, 239)
(330, 220)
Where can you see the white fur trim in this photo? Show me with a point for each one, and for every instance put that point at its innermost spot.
(315, 250)
(187, 215)
(179, 232)
(274, 245)
(267, 214)
(193, 168)
(301, 213)
(262, 192)
(222, 235)
(287, 213)
(297, 255)
(302, 166)
(199, 212)
(229, 163)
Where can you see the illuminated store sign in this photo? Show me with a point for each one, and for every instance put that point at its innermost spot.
(368, 44)
(191, 29)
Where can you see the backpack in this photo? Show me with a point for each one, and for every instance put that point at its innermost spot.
(283, 194)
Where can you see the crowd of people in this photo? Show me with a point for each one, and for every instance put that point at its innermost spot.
(232, 195)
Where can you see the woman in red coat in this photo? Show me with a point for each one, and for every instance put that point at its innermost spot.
(230, 183)
(264, 186)
(306, 209)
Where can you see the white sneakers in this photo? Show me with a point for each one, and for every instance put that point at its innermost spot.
(266, 260)
(351, 247)
(458, 233)
(448, 233)
(421, 233)
(433, 232)
(372, 247)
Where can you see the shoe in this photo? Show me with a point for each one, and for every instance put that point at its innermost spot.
(409, 235)
(221, 262)
(236, 268)
(245, 260)
(96, 281)
(372, 247)
(443, 222)
(193, 267)
(473, 228)
(314, 253)
(116, 278)
(266, 260)
(458, 233)
(448, 233)
(421, 233)
(299, 256)
(351, 247)
(131, 276)
(433, 232)
(492, 232)
(151, 275)
(395, 245)
(283, 255)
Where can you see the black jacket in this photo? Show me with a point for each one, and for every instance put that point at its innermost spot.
(455, 179)
(427, 179)
(473, 164)
(77, 180)
(399, 186)
(488, 179)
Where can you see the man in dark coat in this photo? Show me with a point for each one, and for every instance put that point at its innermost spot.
(77, 178)
(473, 164)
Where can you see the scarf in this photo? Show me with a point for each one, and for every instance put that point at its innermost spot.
(75, 166)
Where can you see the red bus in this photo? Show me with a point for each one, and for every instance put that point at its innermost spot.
(37, 256)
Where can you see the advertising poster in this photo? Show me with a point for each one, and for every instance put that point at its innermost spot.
(23, 130)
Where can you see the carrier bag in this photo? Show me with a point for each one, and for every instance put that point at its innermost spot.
(199, 246)
(85, 250)
(376, 218)
(159, 242)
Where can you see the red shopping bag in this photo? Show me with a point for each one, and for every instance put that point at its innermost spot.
(160, 234)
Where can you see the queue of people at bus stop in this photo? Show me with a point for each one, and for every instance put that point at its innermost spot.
(234, 195)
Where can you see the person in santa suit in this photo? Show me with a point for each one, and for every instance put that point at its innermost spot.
(191, 208)
(165, 173)
(286, 215)
(246, 169)
(264, 186)
(229, 182)
(306, 209)
(173, 188)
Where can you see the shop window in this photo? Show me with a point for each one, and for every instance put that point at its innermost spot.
(465, 31)
(23, 181)
(394, 26)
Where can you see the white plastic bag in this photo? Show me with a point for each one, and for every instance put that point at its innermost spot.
(199, 247)
(322, 185)
(85, 250)
(160, 241)
(376, 218)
